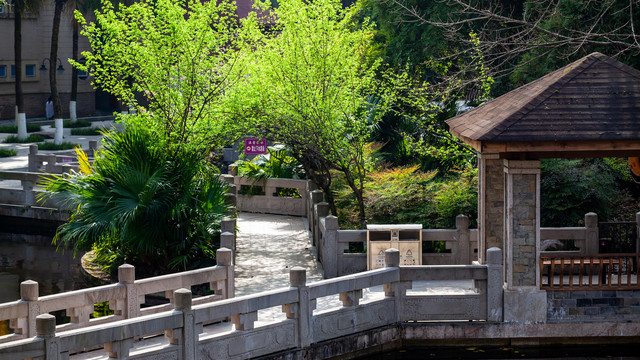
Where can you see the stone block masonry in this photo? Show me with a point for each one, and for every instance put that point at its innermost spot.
(596, 305)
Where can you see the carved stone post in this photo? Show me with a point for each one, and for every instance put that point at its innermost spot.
(462, 244)
(592, 234)
(302, 310)
(46, 329)
(330, 247)
(29, 292)
(495, 283)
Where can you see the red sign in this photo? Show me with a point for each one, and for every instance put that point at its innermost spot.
(254, 146)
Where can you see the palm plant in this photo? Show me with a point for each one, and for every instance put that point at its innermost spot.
(137, 204)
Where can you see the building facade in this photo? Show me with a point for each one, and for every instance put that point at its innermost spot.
(36, 45)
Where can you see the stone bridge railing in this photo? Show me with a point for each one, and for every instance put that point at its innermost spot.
(57, 162)
(124, 297)
(332, 242)
(188, 337)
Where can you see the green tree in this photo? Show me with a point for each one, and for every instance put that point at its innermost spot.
(308, 86)
(170, 60)
(140, 204)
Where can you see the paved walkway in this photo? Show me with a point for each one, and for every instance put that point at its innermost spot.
(267, 246)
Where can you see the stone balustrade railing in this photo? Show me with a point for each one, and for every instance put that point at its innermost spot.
(124, 298)
(247, 336)
(57, 162)
(332, 242)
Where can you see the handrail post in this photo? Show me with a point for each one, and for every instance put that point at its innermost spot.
(46, 329)
(29, 292)
(398, 289)
(462, 243)
(303, 309)
(126, 277)
(185, 337)
(315, 197)
(34, 164)
(93, 148)
(495, 285)
(592, 235)
(330, 247)
(224, 257)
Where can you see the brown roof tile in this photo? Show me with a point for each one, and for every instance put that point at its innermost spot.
(594, 98)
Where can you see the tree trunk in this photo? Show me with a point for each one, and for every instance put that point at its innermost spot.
(21, 121)
(74, 71)
(53, 57)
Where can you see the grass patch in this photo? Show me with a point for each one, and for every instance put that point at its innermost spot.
(13, 139)
(7, 152)
(13, 129)
(72, 125)
(51, 146)
(85, 131)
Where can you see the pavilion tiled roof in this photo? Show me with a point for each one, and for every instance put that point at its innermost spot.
(594, 98)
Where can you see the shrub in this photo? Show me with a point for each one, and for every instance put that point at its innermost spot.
(7, 152)
(13, 129)
(140, 204)
(86, 131)
(72, 125)
(12, 139)
(51, 146)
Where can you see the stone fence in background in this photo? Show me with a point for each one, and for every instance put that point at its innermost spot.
(333, 243)
(57, 162)
(187, 335)
(124, 297)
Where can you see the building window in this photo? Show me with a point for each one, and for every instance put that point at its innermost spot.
(2, 10)
(3, 71)
(30, 70)
(13, 71)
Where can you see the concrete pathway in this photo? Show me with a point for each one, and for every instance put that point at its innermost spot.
(267, 246)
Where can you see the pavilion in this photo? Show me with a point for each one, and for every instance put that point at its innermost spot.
(589, 108)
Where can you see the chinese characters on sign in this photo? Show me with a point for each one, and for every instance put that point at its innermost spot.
(254, 146)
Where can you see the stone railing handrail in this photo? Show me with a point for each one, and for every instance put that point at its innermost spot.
(27, 195)
(186, 335)
(331, 241)
(124, 298)
(270, 202)
(57, 162)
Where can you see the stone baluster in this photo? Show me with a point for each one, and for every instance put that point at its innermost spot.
(185, 337)
(396, 289)
(226, 287)
(93, 148)
(302, 310)
(119, 349)
(244, 321)
(228, 240)
(592, 233)
(129, 307)
(495, 285)
(316, 197)
(461, 257)
(51, 164)
(27, 326)
(80, 314)
(351, 298)
(228, 225)
(29, 196)
(46, 329)
(34, 163)
(329, 247)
